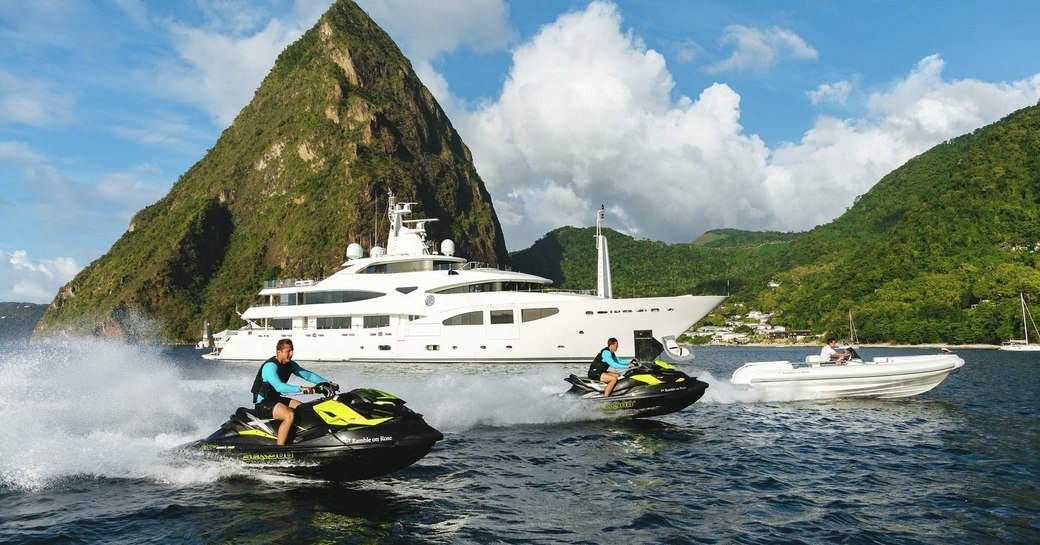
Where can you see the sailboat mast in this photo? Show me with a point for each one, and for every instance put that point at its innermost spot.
(1025, 324)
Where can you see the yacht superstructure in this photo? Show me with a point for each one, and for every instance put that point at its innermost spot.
(409, 304)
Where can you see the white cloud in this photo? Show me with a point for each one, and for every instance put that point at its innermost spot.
(756, 49)
(32, 102)
(221, 63)
(585, 117)
(19, 154)
(25, 280)
(687, 51)
(428, 29)
(425, 31)
(833, 93)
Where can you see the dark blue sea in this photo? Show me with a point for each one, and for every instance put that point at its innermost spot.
(86, 426)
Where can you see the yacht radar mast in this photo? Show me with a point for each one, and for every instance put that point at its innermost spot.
(404, 240)
(603, 288)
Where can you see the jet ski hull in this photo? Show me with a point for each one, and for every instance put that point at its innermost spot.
(343, 457)
(642, 393)
(377, 443)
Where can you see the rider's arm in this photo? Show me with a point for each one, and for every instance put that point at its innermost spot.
(270, 374)
(305, 374)
(613, 361)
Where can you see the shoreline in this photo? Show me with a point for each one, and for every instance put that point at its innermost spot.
(861, 345)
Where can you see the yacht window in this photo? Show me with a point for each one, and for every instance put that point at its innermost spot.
(409, 266)
(377, 321)
(532, 314)
(469, 318)
(501, 316)
(407, 289)
(339, 296)
(286, 299)
(482, 287)
(282, 323)
(335, 322)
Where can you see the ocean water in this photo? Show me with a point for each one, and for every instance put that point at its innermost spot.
(87, 424)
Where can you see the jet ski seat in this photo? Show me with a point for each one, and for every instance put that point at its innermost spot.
(590, 383)
(251, 418)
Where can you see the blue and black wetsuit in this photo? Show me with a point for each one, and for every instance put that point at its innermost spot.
(606, 361)
(270, 383)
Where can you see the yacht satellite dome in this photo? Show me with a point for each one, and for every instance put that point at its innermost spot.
(354, 251)
(377, 251)
(447, 247)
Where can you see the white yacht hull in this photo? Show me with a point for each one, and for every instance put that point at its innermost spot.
(580, 329)
(884, 377)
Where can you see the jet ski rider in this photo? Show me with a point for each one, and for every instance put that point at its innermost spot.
(602, 368)
(270, 383)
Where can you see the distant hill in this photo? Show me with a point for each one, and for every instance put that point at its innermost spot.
(302, 172)
(936, 252)
(720, 262)
(17, 321)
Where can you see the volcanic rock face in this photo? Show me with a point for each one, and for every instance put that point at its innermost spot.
(302, 172)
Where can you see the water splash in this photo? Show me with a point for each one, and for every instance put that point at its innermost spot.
(97, 408)
(458, 397)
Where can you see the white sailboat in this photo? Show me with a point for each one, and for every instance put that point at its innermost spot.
(1023, 345)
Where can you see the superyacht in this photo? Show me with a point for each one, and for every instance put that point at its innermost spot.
(409, 303)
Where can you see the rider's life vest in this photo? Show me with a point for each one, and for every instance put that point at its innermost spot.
(598, 366)
(262, 388)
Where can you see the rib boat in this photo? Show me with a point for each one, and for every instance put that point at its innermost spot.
(408, 303)
(817, 378)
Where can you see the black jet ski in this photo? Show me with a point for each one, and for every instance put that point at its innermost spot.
(649, 389)
(360, 434)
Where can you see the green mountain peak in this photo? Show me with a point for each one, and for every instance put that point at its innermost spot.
(303, 171)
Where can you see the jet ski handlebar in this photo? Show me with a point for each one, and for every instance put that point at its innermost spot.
(325, 389)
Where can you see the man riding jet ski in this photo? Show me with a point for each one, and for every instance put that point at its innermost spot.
(645, 390)
(360, 434)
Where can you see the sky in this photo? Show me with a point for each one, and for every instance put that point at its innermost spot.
(679, 116)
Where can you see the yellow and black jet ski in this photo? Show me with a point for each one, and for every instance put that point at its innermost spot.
(360, 434)
(649, 389)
